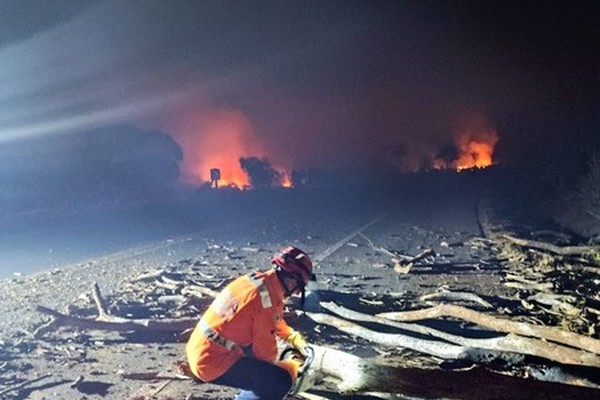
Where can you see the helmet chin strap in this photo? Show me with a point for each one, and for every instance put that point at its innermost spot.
(288, 292)
(302, 298)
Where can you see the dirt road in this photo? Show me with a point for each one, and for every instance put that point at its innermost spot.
(354, 244)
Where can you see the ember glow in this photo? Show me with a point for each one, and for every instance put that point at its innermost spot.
(475, 141)
(287, 181)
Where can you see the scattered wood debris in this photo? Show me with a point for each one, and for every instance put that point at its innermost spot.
(560, 250)
(23, 384)
(543, 314)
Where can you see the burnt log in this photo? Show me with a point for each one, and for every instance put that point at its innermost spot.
(551, 333)
(551, 248)
(510, 347)
(118, 324)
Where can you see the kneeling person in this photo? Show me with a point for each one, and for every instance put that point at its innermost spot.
(234, 343)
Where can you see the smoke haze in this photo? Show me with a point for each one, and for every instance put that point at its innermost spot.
(367, 88)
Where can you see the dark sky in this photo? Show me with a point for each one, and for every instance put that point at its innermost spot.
(377, 85)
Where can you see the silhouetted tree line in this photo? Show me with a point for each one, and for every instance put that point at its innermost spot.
(112, 165)
(261, 173)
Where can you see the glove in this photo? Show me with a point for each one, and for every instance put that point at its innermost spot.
(297, 342)
(292, 367)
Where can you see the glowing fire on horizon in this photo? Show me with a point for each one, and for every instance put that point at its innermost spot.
(286, 181)
(475, 141)
(219, 139)
(475, 154)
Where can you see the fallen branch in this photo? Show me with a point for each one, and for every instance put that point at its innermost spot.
(23, 384)
(120, 324)
(521, 283)
(591, 267)
(199, 291)
(148, 277)
(153, 376)
(498, 324)
(381, 249)
(456, 296)
(108, 322)
(437, 349)
(76, 382)
(470, 349)
(351, 374)
(100, 303)
(405, 260)
(404, 266)
(46, 327)
(549, 247)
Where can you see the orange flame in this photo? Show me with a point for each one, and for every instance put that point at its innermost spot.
(475, 142)
(215, 139)
(475, 155)
(218, 139)
(287, 181)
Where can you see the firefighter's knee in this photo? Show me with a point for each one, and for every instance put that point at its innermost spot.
(283, 381)
(280, 383)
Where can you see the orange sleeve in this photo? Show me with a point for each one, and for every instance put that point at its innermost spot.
(264, 344)
(283, 330)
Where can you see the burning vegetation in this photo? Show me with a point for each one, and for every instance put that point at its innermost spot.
(261, 173)
(221, 150)
(474, 142)
(476, 151)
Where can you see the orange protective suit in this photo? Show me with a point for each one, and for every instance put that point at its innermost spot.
(247, 314)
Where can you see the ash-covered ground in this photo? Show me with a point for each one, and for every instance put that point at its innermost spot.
(144, 258)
